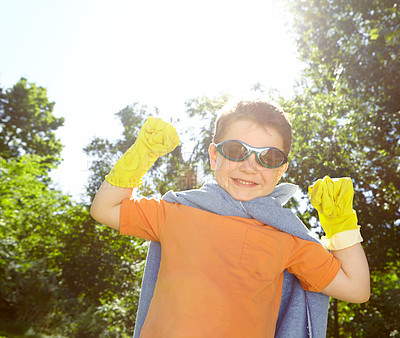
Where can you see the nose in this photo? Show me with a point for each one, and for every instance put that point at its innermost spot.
(249, 165)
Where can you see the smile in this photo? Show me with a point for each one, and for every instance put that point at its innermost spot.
(244, 182)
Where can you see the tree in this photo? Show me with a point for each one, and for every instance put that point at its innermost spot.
(346, 122)
(101, 274)
(61, 272)
(31, 221)
(27, 124)
(29, 210)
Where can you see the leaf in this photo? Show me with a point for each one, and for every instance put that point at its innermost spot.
(374, 33)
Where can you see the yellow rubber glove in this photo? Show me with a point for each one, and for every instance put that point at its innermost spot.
(333, 199)
(155, 139)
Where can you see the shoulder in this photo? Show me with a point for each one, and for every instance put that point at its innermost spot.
(309, 251)
(305, 246)
(144, 204)
(156, 204)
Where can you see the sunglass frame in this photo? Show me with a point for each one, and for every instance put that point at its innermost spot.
(250, 150)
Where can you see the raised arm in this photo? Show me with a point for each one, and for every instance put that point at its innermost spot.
(156, 138)
(352, 283)
(333, 199)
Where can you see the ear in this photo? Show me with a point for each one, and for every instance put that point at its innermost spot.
(213, 154)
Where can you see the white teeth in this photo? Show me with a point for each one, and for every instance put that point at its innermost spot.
(243, 182)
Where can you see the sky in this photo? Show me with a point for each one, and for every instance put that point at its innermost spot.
(95, 57)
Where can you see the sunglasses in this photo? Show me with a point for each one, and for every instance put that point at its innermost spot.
(238, 151)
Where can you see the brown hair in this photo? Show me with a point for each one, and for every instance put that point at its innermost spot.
(265, 113)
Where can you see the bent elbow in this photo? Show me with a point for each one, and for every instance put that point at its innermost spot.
(108, 216)
(361, 297)
(365, 298)
(92, 211)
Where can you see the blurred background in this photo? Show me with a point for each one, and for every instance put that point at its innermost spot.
(79, 78)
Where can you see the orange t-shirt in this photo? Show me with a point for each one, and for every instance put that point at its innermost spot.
(220, 276)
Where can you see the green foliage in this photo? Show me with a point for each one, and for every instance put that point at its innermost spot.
(62, 274)
(346, 123)
(103, 270)
(30, 224)
(27, 124)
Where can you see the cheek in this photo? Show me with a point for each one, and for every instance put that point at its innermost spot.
(225, 165)
(219, 163)
(270, 174)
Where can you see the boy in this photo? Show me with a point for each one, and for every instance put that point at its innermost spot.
(225, 247)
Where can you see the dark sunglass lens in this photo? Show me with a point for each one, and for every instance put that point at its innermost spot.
(234, 150)
(272, 157)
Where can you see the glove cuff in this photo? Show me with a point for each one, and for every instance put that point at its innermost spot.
(123, 183)
(343, 240)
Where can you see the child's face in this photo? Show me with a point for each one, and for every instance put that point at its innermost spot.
(247, 179)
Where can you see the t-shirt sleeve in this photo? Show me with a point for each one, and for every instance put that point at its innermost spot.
(312, 264)
(142, 217)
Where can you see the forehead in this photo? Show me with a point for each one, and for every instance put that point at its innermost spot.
(253, 134)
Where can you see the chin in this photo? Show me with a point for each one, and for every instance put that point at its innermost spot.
(244, 197)
(240, 196)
